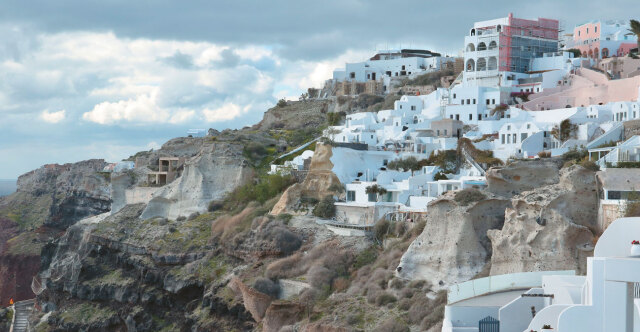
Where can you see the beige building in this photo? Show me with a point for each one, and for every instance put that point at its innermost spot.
(169, 168)
(447, 128)
(620, 67)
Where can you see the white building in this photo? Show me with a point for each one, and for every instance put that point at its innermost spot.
(606, 299)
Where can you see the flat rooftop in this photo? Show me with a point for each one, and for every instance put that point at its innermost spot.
(490, 300)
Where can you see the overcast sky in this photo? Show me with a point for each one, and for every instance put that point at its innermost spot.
(86, 79)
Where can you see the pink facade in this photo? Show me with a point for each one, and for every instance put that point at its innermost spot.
(543, 28)
(596, 40)
(586, 87)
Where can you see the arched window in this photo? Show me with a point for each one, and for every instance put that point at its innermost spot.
(493, 45)
(482, 46)
(482, 64)
(473, 32)
(591, 53)
(471, 47)
(471, 65)
(605, 53)
(493, 63)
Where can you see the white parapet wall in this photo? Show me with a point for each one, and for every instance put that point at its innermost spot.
(499, 283)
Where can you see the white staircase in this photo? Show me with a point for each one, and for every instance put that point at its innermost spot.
(23, 310)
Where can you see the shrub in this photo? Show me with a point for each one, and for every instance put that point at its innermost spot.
(381, 229)
(385, 298)
(267, 187)
(266, 286)
(469, 195)
(632, 207)
(365, 257)
(392, 325)
(282, 102)
(341, 284)
(282, 238)
(325, 208)
(440, 176)
(335, 118)
(628, 164)
(590, 165)
(214, 206)
(407, 164)
(320, 276)
(419, 227)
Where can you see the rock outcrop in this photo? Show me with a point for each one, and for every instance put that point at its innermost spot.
(48, 200)
(317, 184)
(522, 175)
(217, 169)
(454, 246)
(550, 227)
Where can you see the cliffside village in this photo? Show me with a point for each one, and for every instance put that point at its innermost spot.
(521, 89)
(517, 83)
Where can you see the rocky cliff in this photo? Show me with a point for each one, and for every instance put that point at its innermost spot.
(550, 227)
(47, 201)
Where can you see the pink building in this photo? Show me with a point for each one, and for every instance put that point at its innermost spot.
(600, 39)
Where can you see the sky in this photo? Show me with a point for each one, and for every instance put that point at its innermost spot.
(83, 79)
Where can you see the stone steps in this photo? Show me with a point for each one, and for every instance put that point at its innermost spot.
(22, 311)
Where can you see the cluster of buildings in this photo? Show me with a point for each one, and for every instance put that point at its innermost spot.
(516, 87)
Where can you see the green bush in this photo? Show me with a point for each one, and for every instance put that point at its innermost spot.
(440, 176)
(267, 187)
(469, 195)
(590, 165)
(335, 118)
(365, 257)
(282, 103)
(325, 208)
(407, 164)
(628, 164)
(385, 298)
(381, 229)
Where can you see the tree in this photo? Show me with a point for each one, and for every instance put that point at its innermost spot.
(409, 164)
(576, 52)
(635, 30)
(565, 130)
(376, 189)
(282, 102)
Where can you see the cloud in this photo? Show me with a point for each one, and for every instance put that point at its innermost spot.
(53, 117)
(143, 109)
(224, 113)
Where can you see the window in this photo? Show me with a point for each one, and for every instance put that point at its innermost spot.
(352, 75)
(479, 117)
(445, 132)
(413, 108)
(372, 197)
(470, 116)
(457, 116)
(508, 139)
(493, 101)
(474, 101)
(400, 106)
(502, 138)
(523, 136)
(509, 127)
(514, 138)
(528, 126)
(451, 116)
(614, 195)
(488, 102)
(351, 195)
(454, 96)
(438, 132)
(468, 101)
(462, 102)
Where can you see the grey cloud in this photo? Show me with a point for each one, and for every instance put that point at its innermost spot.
(299, 27)
(179, 60)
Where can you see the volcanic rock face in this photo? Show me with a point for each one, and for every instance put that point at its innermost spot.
(217, 169)
(453, 246)
(47, 201)
(522, 175)
(317, 183)
(549, 228)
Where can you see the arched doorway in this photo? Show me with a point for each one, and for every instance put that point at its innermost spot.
(605, 53)
(482, 46)
(482, 65)
(471, 47)
(471, 65)
(493, 45)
